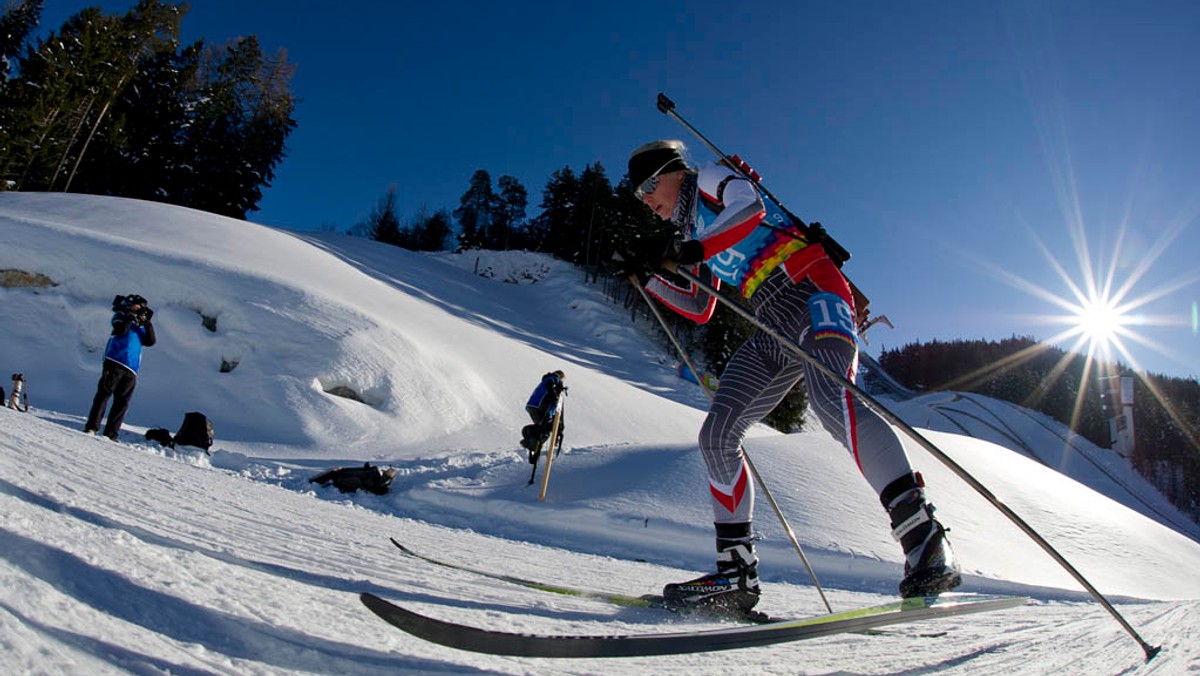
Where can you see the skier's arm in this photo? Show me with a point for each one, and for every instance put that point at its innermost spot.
(743, 210)
(688, 299)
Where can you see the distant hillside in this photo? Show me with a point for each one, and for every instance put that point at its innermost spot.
(1061, 385)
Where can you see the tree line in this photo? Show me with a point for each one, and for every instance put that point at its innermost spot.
(583, 218)
(1061, 385)
(114, 105)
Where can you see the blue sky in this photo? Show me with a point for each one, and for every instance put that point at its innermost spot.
(955, 148)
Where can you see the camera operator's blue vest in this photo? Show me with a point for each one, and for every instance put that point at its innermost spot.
(126, 349)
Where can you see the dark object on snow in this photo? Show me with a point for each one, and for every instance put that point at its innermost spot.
(196, 430)
(160, 435)
(349, 479)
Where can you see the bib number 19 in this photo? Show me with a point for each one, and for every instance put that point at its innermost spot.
(831, 316)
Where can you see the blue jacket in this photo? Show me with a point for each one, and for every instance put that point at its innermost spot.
(125, 344)
(544, 399)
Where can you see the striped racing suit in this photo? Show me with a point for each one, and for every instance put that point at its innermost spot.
(794, 287)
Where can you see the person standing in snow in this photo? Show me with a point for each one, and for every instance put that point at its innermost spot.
(18, 390)
(794, 286)
(541, 407)
(131, 331)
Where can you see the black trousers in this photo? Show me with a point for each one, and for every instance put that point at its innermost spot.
(117, 382)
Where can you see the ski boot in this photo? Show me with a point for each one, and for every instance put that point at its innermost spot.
(930, 566)
(733, 589)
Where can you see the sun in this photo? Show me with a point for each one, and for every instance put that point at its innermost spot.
(1101, 317)
(1100, 321)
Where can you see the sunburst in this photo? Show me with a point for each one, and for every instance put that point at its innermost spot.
(1103, 317)
(1106, 313)
(1100, 321)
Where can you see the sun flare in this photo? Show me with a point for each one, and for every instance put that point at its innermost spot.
(1103, 316)
(1100, 321)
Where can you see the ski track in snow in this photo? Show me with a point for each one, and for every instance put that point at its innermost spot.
(190, 569)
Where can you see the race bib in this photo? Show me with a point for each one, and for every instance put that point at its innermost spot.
(831, 317)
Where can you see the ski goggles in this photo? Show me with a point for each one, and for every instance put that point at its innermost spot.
(649, 185)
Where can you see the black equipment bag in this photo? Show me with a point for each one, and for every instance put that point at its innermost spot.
(196, 430)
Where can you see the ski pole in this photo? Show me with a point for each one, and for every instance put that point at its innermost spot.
(555, 430)
(928, 445)
(791, 534)
(813, 232)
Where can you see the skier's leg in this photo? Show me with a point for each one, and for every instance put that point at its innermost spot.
(753, 383)
(755, 380)
(930, 566)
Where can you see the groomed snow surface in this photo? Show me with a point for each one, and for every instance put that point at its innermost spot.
(130, 558)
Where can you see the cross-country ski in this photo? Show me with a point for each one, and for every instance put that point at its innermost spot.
(474, 639)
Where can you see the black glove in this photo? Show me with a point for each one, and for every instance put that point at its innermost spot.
(145, 315)
(627, 265)
(644, 257)
(685, 252)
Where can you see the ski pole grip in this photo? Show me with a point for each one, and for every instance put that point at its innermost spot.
(665, 105)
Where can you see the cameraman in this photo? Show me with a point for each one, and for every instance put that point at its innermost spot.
(131, 331)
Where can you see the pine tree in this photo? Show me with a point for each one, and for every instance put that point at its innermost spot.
(107, 105)
(16, 25)
(69, 86)
(476, 212)
(144, 161)
(239, 118)
(511, 204)
(383, 224)
(595, 215)
(434, 231)
(550, 230)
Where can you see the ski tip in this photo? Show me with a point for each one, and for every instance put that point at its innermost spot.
(377, 605)
(401, 547)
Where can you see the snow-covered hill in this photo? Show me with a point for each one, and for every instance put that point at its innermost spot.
(128, 558)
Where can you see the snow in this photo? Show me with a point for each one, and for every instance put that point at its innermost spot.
(130, 558)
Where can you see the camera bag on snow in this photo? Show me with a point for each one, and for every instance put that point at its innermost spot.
(196, 430)
(160, 435)
(350, 479)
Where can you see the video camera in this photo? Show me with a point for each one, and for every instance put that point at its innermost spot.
(125, 305)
